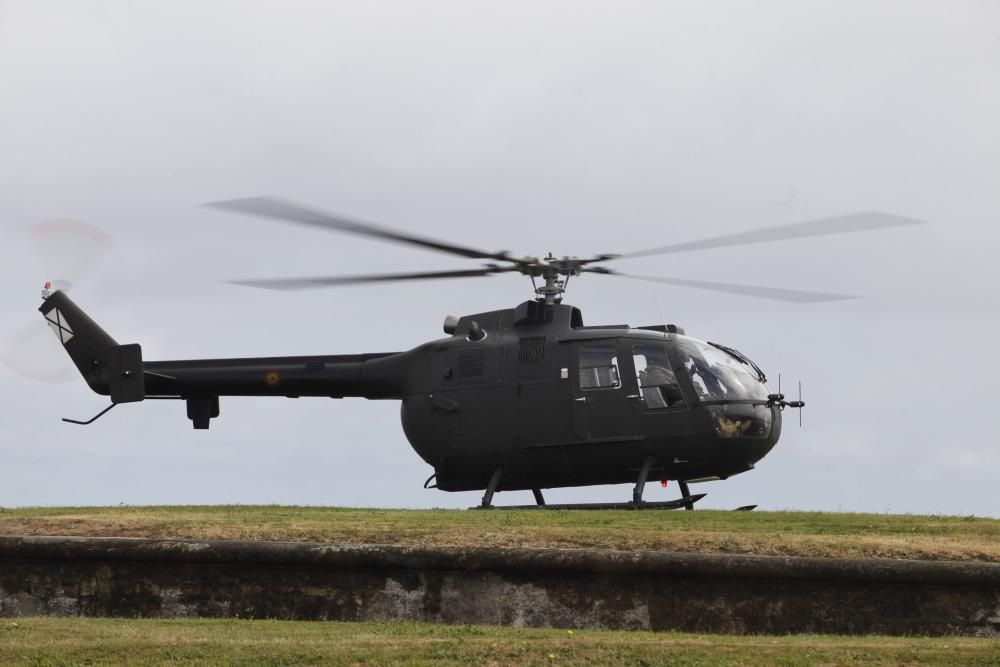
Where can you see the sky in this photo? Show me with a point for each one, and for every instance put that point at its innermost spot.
(595, 127)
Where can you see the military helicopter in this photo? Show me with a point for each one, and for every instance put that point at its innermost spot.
(514, 399)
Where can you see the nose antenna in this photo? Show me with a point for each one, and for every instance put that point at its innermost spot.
(801, 404)
(779, 400)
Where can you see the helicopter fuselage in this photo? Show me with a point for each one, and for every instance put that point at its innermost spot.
(537, 399)
(528, 390)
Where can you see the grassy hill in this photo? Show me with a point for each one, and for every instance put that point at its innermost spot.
(84, 641)
(703, 531)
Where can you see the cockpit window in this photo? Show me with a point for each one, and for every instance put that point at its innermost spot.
(717, 375)
(599, 365)
(658, 385)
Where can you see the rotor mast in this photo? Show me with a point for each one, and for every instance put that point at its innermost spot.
(551, 292)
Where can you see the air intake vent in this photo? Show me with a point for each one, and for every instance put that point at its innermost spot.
(471, 363)
(531, 349)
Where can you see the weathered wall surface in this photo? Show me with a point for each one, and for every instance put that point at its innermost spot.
(521, 587)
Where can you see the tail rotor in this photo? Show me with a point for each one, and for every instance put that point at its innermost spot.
(71, 252)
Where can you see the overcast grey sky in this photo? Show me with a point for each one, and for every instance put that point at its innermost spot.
(531, 126)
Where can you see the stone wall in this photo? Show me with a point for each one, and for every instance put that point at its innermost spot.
(522, 587)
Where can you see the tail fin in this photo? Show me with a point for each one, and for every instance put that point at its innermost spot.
(109, 368)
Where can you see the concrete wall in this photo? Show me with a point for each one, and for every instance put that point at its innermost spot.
(521, 587)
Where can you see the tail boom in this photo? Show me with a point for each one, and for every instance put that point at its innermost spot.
(334, 376)
(118, 371)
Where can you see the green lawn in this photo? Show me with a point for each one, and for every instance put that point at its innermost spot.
(703, 531)
(80, 641)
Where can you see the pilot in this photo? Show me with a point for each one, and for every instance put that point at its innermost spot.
(660, 389)
(713, 386)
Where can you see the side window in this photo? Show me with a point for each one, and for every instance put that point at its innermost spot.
(599, 365)
(657, 382)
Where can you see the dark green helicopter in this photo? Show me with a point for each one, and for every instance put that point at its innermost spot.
(522, 398)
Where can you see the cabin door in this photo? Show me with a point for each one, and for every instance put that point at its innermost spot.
(601, 408)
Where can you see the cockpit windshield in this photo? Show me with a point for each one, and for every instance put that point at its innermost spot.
(718, 375)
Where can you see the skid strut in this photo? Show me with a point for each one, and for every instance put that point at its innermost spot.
(686, 493)
(491, 488)
(640, 483)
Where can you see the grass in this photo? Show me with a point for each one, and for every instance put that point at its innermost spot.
(77, 641)
(703, 531)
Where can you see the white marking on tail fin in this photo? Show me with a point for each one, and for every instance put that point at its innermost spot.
(59, 325)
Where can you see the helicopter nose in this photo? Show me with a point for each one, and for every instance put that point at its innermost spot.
(756, 449)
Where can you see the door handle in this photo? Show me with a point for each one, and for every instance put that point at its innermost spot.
(582, 399)
(633, 396)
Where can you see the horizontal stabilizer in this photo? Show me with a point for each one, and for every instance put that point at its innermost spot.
(126, 379)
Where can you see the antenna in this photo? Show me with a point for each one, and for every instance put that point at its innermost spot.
(663, 317)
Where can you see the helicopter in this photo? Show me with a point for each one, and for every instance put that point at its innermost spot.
(523, 398)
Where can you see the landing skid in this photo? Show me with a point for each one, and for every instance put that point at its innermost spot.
(680, 503)
(686, 500)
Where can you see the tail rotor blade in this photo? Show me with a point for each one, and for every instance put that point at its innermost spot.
(35, 354)
(68, 250)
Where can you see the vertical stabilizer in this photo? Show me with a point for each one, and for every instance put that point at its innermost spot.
(109, 368)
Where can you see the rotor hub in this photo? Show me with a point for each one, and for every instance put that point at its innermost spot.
(554, 271)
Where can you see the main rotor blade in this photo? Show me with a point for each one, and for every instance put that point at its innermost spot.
(841, 224)
(286, 211)
(288, 284)
(774, 293)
